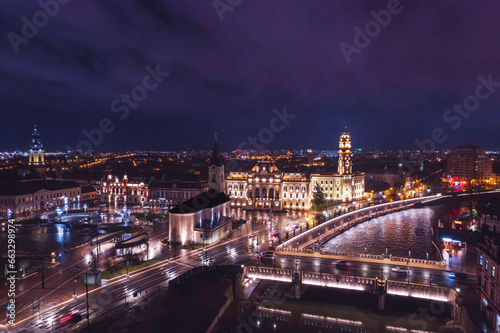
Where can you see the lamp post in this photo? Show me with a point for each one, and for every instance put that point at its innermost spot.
(86, 291)
(74, 284)
(42, 253)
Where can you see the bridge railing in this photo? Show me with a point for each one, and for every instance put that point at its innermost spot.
(414, 262)
(269, 273)
(418, 261)
(353, 255)
(380, 208)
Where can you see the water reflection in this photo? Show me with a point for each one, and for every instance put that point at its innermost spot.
(399, 233)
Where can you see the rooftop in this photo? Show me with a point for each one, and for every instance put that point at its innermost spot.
(208, 199)
(33, 186)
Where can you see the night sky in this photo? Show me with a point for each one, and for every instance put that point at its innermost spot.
(228, 75)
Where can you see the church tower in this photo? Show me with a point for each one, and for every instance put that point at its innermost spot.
(345, 164)
(216, 169)
(36, 157)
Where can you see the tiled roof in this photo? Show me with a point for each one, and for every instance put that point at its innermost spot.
(208, 199)
(32, 186)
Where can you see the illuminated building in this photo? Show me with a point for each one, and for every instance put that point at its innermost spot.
(468, 163)
(36, 156)
(123, 191)
(205, 218)
(266, 187)
(170, 192)
(35, 195)
(487, 266)
(344, 185)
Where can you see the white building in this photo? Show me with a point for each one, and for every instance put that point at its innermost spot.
(266, 187)
(205, 218)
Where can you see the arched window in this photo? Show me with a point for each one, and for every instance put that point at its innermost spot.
(271, 193)
(213, 178)
(257, 193)
(264, 193)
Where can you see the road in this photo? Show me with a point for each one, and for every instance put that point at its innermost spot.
(56, 300)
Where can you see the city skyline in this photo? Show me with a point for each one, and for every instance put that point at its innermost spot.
(206, 69)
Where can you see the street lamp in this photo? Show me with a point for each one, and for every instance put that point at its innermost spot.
(86, 291)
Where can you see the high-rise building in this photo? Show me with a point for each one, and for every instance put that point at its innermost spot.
(469, 163)
(36, 157)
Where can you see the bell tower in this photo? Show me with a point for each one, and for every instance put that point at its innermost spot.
(345, 164)
(216, 169)
(36, 157)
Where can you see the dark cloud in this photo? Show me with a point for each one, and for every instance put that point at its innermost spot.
(228, 76)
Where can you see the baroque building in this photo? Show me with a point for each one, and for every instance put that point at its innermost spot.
(266, 187)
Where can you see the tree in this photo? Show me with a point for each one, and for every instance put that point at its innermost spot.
(319, 196)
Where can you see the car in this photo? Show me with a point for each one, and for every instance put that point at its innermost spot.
(275, 234)
(103, 205)
(73, 316)
(400, 270)
(343, 263)
(268, 256)
(136, 206)
(295, 226)
(452, 275)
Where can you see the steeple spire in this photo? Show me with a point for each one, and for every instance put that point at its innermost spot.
(216, 158)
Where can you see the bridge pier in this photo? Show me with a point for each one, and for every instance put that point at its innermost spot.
(382, 293)
(297, 282)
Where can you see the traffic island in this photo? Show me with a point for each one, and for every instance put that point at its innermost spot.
(120, 268)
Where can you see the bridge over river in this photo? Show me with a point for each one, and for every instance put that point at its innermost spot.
(379, 285)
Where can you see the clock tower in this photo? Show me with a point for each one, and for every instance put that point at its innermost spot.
(345, 164)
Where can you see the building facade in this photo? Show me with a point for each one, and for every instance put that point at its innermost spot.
(168, 193)
(469, 163)
(205, 218)
(266, 187)
(37, 195)
(115, 191)
(487, 265)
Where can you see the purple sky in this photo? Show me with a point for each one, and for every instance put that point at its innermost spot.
(227, 76)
